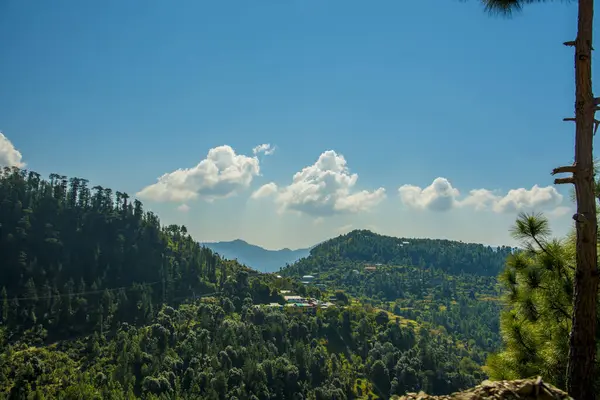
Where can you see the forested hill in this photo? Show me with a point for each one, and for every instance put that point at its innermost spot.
(97, 302)
(74, 257)
(368, 247)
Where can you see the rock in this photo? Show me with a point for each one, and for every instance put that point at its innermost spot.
(522, 389)
(527, 389)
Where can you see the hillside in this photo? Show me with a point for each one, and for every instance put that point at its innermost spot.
(450, 286)
(256, 257)
(101, 301)
(363, 246)
(76, 259)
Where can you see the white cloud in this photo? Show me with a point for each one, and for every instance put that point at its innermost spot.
(534, 198)
(9, 156)
(221, 174)
(183, 208)
(264, 148)
(480, 199)
(323, 189)
(265, 191)
(441, 196)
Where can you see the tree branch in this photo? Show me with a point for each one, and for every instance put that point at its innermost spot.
(569, 119)
(540, 245)
(570, 43)
(557, 307)
(561, 181)
(561, 170)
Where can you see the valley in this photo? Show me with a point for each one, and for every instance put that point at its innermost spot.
(100, 300)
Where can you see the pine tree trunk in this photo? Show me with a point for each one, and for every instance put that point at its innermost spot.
(582, 342)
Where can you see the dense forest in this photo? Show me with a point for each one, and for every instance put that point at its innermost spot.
(99, 300)
(421, 280)
(77, 259)
(365, 246)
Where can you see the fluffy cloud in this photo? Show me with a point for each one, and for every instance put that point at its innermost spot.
(523, 199)
(9, 156)
(265, 191)
(221, 174)
(264, 148)
(441, 196)
(323, 189)
(183, 208)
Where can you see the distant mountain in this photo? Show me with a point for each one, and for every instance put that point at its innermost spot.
(256, 257)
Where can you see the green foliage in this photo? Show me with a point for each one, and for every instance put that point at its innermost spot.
(201, 351)
(101, 302)
(442, 289)
(368, 247)
(538, 287)
(419, 280)
(74, 261)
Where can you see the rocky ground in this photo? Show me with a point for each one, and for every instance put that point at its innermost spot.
(524, 389)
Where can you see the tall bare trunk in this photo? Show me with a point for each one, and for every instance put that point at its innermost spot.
(582, 342)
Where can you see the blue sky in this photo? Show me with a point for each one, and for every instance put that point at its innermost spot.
(398, 93)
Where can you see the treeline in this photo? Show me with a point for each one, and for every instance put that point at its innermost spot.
(366, 246)
(75, 258)
(215, 351)
(97, 302)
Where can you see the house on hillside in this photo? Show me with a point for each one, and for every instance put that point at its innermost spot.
(294, 299)
(370, 268)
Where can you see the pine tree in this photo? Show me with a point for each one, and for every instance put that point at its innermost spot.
(535, 326)
(582, 339)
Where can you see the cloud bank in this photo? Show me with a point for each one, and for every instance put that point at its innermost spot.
(442, 196)
(323, 189)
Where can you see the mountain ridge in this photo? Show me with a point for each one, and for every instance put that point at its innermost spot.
(257, 257)
(245, 242)
(267, 260)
